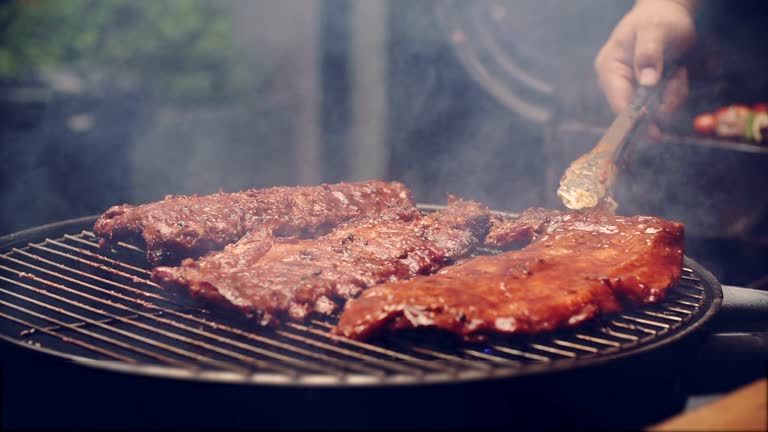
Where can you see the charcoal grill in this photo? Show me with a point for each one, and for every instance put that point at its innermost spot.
(162, 360)
(60, 294)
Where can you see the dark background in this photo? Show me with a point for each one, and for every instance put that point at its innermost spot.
(77, 140)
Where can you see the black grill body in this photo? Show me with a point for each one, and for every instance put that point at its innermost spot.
(91, 341)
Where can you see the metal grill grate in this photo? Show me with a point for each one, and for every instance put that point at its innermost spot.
(67, 297)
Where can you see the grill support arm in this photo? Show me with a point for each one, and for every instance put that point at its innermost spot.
(736, 349)
(741, 306)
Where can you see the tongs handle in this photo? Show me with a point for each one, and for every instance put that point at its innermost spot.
(635, 111)
(641, 105)
(641, 97)
(639, 102)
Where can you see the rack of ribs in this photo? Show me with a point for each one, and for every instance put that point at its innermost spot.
(189, 226)
(576, 267)
(265, 277)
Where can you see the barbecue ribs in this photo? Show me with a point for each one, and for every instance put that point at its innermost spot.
(514, 232)
(265, 277)
(577, 266)
(189, 226)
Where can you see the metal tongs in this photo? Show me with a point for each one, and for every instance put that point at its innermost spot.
(588, 181)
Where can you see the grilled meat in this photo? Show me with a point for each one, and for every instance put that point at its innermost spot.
(266, 277)
(189, 226)
(577, 266)
(516, 232)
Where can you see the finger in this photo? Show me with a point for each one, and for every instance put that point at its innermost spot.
(618, 89)
(616, 80)
(675, 92)
(649, 56)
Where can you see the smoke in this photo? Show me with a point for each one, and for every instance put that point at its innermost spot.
(223, 95)
(59, 162)
(266, 135)
(452, 131)
(334, 90)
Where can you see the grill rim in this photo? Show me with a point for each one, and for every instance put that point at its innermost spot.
(709, 306)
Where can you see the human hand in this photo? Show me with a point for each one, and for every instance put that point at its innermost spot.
(652, 33)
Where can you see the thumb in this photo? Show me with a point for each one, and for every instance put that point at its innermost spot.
(649, 57)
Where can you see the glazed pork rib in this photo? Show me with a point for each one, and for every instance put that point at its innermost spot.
(266, 278)
(514, 232)
(576, 267)
(189, 226)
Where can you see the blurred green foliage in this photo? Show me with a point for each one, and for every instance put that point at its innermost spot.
(183, 49)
